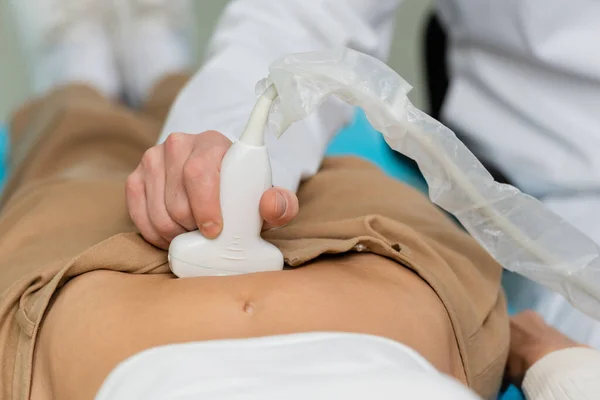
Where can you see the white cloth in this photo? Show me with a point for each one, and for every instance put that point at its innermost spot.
(324, 366)
(294, 367)
(525, 90)
(571, 374)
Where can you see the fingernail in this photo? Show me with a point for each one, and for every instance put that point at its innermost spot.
(281, 205)
(210, 229)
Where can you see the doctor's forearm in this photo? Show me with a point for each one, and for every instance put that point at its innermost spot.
(252, 34)
(569, 374)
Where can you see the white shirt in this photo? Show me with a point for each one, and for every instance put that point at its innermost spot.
(295, 367)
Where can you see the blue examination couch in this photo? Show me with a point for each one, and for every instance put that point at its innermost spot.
(358, 139)
(3, 154)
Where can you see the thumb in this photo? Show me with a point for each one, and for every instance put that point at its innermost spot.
(278, 207)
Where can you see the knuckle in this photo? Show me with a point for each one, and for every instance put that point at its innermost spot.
(151, 159)
(175, 141)
(214, 135)
(214, 139)
(179, 212)
(195, 169)
(134, 186)
(164, 227)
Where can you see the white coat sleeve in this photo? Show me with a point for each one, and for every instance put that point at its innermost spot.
(571, 374)
(253, 33)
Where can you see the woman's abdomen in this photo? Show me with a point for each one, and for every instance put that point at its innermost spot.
(100, 319)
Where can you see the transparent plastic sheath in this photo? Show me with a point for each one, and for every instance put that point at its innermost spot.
(517, 230)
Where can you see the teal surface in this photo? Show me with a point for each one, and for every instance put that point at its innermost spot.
(3, 154)
(362, 140)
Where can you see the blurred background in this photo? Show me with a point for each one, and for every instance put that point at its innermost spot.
(406, 54)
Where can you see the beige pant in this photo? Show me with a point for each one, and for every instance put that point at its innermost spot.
(64, 216)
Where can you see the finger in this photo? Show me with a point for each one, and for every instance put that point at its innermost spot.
(153, 168)
(138, 210)
(177, 149)
(529, 317)
(202, 185)
(278, 207)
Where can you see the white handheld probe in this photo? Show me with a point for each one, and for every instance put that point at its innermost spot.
(245, 176)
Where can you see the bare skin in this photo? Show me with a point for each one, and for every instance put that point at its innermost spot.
(531, 339)
(175, 189)
(102, 318)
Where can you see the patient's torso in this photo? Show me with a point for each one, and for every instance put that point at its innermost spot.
(102, 318)
(440, 295)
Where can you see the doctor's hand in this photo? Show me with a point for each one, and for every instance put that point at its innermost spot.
(175, 189)
(531, 339)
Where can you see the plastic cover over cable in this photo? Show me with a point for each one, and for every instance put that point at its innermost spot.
(516, 229)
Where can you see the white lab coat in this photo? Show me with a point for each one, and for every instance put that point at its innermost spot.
(525, 89)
